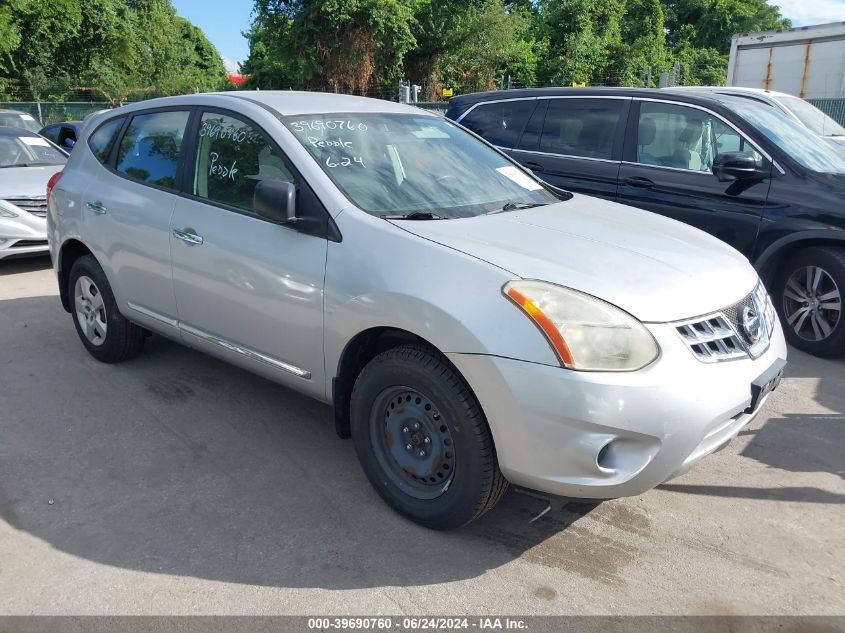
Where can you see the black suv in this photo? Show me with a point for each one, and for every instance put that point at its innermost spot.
(732, 167)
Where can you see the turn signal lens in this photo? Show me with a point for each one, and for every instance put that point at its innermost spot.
(585, 333)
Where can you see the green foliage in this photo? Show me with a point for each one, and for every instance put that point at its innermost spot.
(712, 23)
(343, 45)
(113, 48)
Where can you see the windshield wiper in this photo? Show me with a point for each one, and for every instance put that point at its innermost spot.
(415, 215)
(515, 206)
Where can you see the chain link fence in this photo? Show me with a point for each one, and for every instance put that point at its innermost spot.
(834, 108)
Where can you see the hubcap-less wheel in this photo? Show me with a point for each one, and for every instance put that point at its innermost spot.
(412, 442)
(812, 303)
(90, 311)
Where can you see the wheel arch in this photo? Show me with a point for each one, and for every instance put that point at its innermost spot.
(70, 251)
(359, 351)
(768, 263)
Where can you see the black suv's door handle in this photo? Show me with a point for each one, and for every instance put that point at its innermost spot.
(637, 181)
(535, 167)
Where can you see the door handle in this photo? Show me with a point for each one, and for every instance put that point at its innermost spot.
(97, 207)
(535, 167)
(188, 236)
(637, 181)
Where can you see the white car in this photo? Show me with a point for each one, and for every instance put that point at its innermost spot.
(27, 161)
(795, 108)
(470, 326)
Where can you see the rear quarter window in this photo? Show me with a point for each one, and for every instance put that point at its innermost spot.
(500, 123)
(103, 138)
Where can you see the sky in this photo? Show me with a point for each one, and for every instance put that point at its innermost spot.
(223, 22)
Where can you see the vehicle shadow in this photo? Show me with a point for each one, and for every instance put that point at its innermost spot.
(798, 443)
(24, 265)
(176, 463)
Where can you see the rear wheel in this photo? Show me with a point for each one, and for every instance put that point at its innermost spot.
(422, 439)
(809, 300)
(104, 332)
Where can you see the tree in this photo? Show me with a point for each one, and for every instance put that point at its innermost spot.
(471, 43)
(342, 45)
(113, 47)
(712, 23)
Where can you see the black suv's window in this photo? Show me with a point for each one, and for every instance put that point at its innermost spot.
(149, 150)
(233, 157)
(681, 137)
(102, 140)
(51, 133)
(581, 127)
(500, 123)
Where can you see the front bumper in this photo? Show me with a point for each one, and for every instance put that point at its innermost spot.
(24, 235)
(612, 434)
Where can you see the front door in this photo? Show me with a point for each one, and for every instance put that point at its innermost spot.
(247, 289)
(669, 156)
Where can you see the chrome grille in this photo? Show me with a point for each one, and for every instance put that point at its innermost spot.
(35, 206)
(712, 339)
(721, 335)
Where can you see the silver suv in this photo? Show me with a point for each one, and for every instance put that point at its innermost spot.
(470, 325)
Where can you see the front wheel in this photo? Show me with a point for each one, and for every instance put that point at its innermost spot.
(809, 300)
(422, 439)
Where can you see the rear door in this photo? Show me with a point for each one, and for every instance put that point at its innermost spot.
(247, 290)
(668, 160)
(128, 208)
(575, 143)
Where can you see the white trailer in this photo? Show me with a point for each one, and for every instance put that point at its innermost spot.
(808, 62)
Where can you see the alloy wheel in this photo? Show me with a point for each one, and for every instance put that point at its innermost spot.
(90, 310)
(812, 303)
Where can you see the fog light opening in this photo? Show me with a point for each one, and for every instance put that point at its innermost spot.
(603, 460)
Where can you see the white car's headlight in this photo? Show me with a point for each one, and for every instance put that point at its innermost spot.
(585, 333)
(6, 213)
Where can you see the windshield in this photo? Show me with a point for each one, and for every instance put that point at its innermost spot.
(793, 138)
(20, 120)
(812, 117)
(28, 151)
(402, 164)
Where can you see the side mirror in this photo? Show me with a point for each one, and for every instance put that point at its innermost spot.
(275, 200)
(730, 166)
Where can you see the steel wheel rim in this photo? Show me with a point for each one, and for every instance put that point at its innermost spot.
(90, 310)
(812, 303)
(412, 442)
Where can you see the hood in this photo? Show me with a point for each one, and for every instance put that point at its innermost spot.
(26, 182)
(655, 268)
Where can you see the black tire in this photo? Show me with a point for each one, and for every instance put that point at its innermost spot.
(122, 339)
(475, 483)
(831, 260)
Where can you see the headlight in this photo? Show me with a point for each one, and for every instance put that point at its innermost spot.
(6, 213)
(585, 333)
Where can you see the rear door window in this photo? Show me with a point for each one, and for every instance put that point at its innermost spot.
(500, 123)
(582, 127)
(149, 150)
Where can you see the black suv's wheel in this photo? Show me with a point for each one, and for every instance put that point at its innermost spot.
(104, 332)
(808, 296)
(422, 439)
